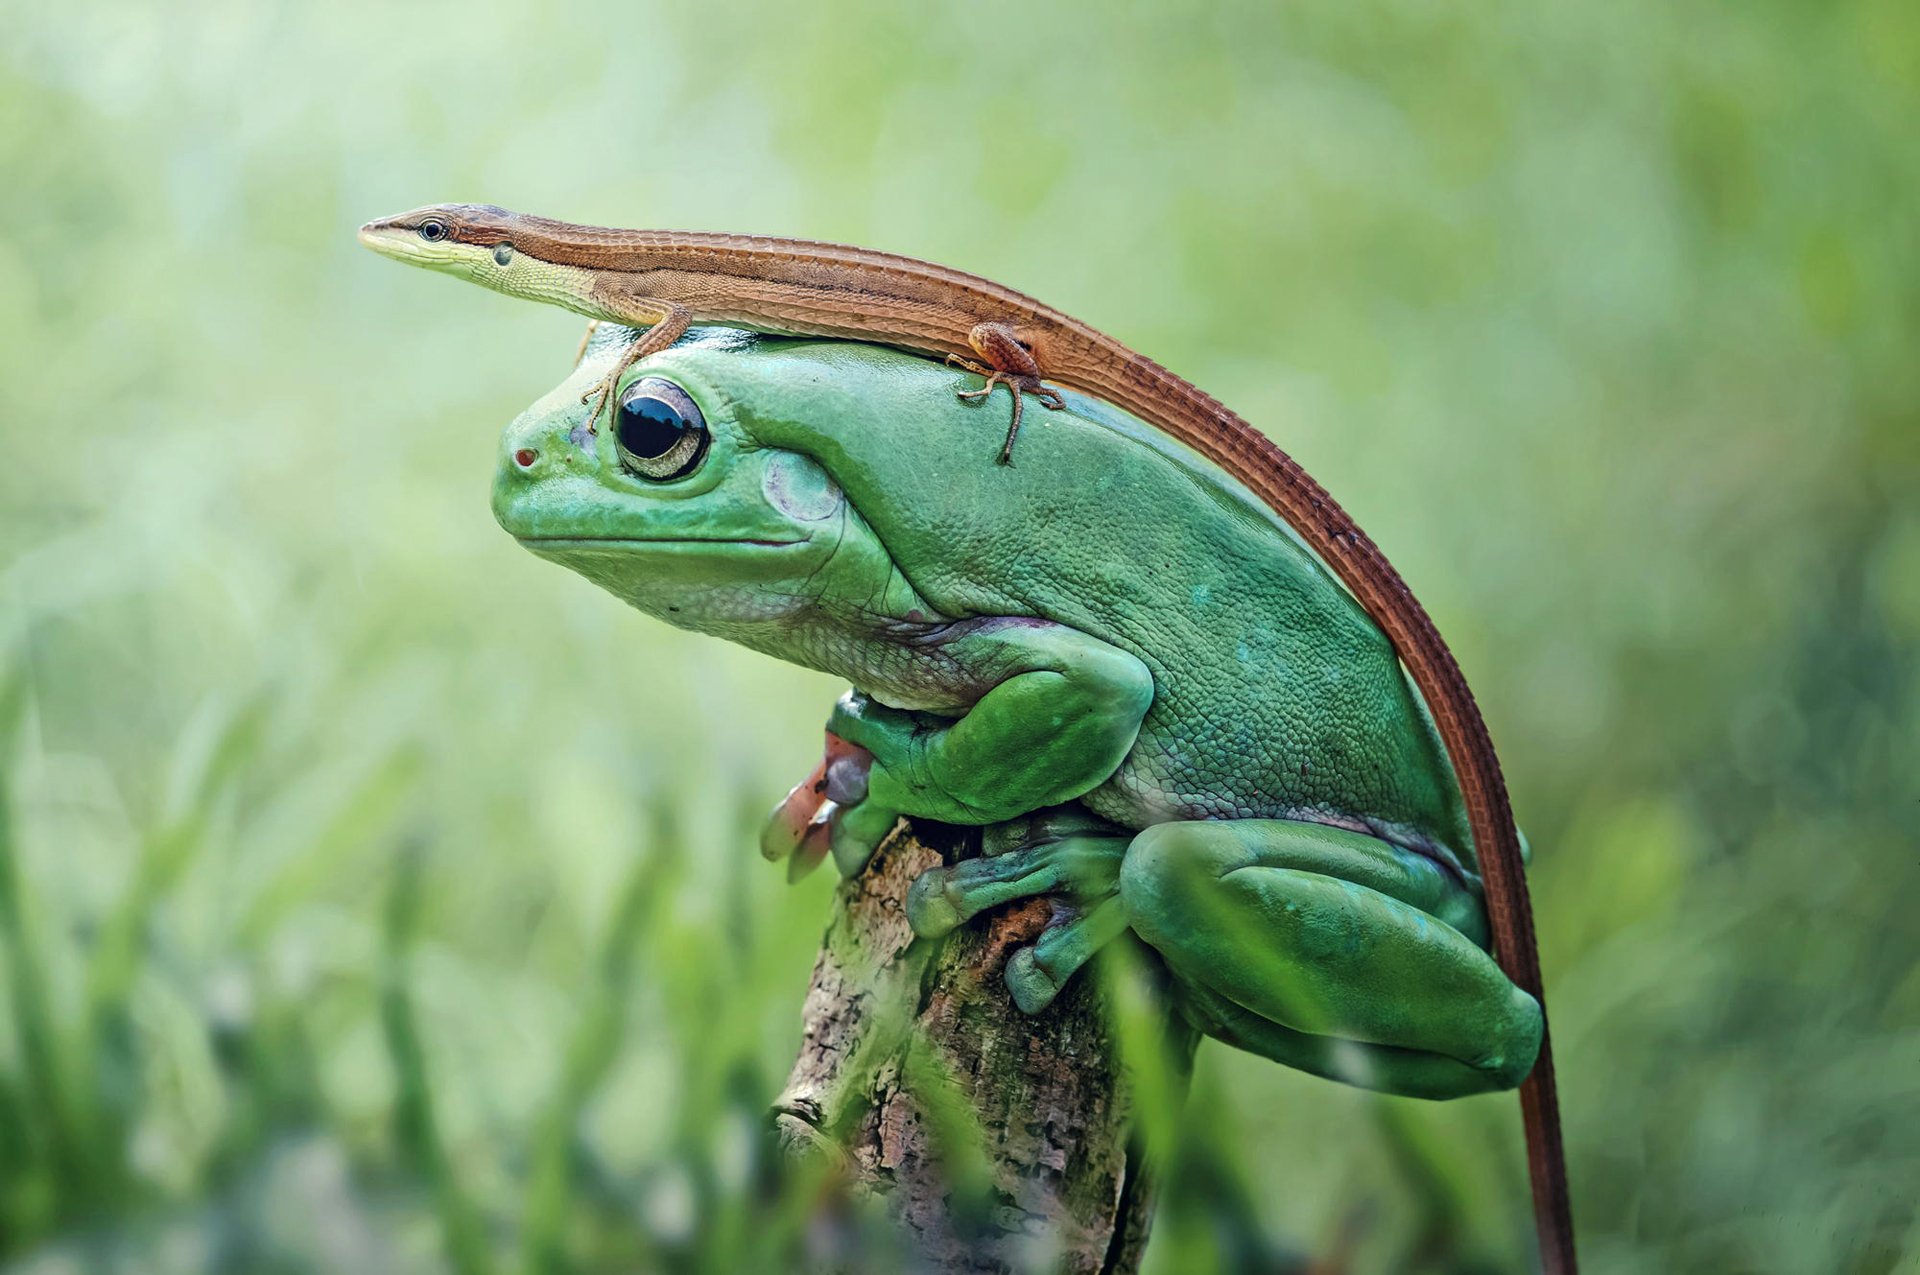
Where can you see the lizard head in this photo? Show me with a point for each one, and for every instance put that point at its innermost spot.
(508, 252)
(473, 241)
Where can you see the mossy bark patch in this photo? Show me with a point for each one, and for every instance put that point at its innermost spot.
(994, 1139)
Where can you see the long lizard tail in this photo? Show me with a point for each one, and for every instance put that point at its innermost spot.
(1201, 422)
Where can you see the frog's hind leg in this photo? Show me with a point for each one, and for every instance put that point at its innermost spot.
(1066, 853)
(1330, 951)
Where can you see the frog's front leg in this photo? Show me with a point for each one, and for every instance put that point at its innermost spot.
(827, 806)
(1332, 952)
(1054, 713)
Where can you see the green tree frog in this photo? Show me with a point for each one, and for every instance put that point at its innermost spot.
(1167, 714)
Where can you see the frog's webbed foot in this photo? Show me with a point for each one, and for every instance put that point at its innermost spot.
(1064, 853)
(828, 812)
(1005, 360)
(1036, 973)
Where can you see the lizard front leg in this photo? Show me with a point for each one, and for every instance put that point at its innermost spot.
(669, 327)
(586, 339)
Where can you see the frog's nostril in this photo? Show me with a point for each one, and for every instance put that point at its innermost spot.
(525, 457)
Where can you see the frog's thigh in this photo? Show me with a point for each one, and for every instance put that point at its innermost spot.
(1062, 712)
(1323, 949)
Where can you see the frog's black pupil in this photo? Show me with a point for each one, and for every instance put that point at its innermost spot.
(650, 427)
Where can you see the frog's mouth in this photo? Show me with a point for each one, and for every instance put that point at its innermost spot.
(647, 542)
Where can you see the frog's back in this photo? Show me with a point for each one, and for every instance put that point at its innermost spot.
(1275, 695)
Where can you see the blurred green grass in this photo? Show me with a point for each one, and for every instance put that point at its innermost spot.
(375, 897)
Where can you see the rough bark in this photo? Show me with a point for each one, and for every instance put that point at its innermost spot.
(1058, 1181)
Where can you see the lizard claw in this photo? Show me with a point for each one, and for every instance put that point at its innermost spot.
(1018, 384)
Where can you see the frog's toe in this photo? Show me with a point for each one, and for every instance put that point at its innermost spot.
(1036, 974)
(930, 911)
(856, 831)
(850, 834)
(814, 844)
(1032, 987)
(1077, 867)
(825, 812)
(787, 828)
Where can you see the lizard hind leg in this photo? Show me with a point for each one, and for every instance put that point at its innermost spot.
(1005, 360)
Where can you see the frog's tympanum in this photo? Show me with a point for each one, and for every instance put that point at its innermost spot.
(1166, 713)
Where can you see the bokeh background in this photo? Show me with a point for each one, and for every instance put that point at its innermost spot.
(376, 897)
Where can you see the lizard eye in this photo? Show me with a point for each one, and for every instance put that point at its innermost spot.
(658, 431)
(433, 231)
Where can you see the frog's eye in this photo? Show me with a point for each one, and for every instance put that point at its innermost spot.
(658, 431)
(433, 230)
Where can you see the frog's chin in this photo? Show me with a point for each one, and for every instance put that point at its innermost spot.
(706, 583)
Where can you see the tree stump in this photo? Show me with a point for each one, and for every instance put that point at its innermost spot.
(914, 1048)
